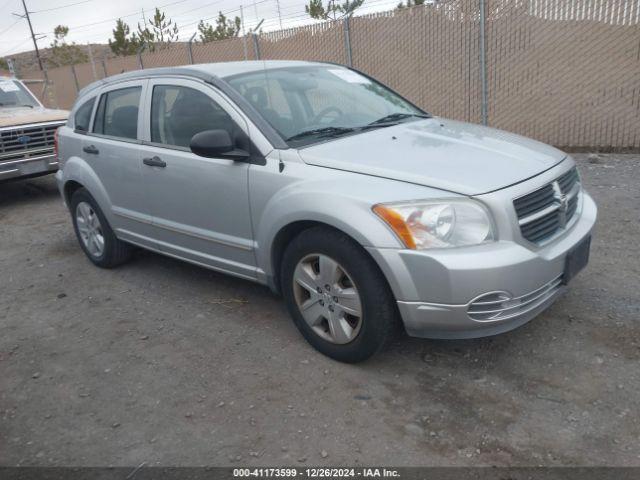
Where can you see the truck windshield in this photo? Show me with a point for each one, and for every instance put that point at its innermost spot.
(307, 104)
(15, 94)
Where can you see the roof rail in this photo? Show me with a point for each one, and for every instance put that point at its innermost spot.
(148, 73)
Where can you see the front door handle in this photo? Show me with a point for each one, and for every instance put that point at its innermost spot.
(91, 149)
(154, 162)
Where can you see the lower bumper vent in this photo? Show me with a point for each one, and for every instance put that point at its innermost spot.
(502, 306)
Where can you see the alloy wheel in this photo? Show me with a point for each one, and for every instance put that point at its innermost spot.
(90, 229)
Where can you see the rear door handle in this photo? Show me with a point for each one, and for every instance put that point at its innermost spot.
(91, 149)
(154, 162)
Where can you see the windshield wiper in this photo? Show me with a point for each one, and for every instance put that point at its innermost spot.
(322, 132)
(26, 105)
(392, 119)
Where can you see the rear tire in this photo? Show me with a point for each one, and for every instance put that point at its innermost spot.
(337, 295)
(94, 233)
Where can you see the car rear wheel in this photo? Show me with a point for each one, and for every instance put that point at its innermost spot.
(337, 296)
(95, 235)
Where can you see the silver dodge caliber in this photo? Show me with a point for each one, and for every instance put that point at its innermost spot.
(364, 211)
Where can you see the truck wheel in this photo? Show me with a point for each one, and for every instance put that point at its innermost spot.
(96, 238)
(337, 296)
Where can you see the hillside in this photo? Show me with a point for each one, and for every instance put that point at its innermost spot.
(26, 61)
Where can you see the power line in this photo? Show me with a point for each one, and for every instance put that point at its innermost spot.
(76, 27)
(15, 46)
(62, 6)
(197, 8)
(5, 4)
(11, 26)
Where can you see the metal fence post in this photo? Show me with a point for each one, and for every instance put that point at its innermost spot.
(75, 78)
(244, 34)
(483, 63)
(347, 40)
(93, 63)
(47, 91)
(190, 48)
(104, 68)
(140, 50)
(256, 46)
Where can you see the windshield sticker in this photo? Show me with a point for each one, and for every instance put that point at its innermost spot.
(8, 86)
(350, 76)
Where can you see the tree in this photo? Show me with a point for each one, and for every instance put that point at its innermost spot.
(3, 64)
(158, 32)
(63, 53)
(123, 43)
(410, 3)
(333, 10)
(225, 28)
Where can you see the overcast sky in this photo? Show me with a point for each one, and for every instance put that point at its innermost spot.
(93, 20)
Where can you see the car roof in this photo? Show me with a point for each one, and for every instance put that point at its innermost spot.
(204, 71)
(228, 69)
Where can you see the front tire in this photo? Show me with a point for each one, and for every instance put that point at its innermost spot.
(337, 296)
(94, 233)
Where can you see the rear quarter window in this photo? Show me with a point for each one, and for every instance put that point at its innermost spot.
(83, 115)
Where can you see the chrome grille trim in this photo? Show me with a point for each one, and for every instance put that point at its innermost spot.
(485, 309)
(548, 210)
(24, 142)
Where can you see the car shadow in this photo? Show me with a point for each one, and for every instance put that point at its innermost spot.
(28, 191)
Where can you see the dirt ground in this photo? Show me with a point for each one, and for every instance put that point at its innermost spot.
(166, 363)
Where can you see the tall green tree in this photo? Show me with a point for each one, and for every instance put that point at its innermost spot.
(225, 28)
(410, 3)
(158, 31)
(63, 53)
(124, 42)
(332, 10)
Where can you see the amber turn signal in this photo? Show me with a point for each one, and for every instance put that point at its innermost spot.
(397, 224)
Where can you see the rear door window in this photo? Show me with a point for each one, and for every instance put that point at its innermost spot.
(117, 113)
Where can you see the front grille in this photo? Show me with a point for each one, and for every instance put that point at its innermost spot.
(496, 306)
(547, 210)
(27, 141)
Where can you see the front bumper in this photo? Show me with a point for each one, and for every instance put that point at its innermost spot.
(435, 289)
(26, 167)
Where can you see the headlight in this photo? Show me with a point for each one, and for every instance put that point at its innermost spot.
(438, 224)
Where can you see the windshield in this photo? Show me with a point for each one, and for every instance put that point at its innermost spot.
(15, 94)
(311, 103)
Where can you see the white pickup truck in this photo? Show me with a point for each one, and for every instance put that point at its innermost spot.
(27, 132)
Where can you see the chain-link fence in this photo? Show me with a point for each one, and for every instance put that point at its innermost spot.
(566, 72)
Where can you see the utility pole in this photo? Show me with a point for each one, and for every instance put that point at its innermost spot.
(33, 37)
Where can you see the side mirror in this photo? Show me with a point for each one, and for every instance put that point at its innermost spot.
(216, 144)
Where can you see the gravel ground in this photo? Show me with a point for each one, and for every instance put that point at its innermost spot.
(166, 363)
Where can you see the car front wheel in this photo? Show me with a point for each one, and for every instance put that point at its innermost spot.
(337, 296)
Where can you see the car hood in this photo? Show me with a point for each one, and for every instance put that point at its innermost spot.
(459, 157)
(12, 116)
